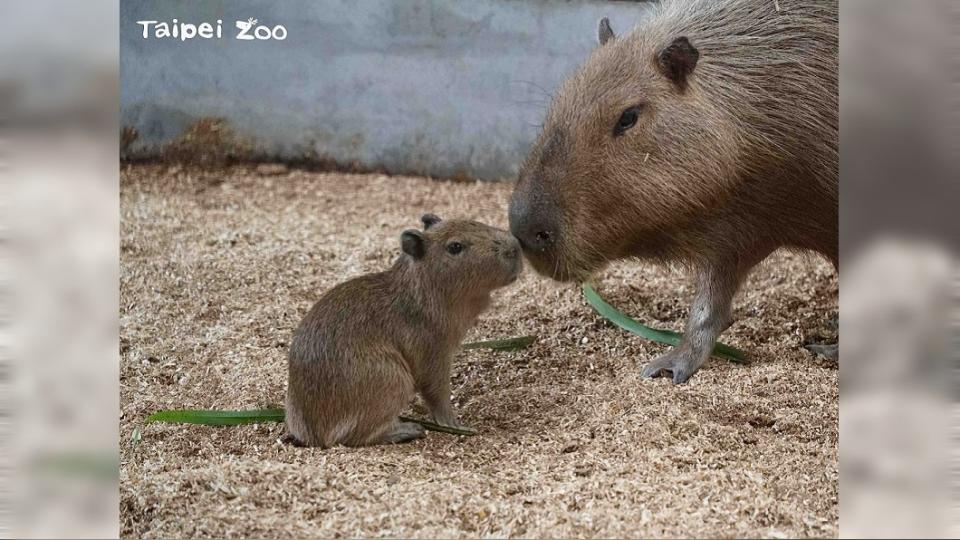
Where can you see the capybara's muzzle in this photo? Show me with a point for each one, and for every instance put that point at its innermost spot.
(532, 224)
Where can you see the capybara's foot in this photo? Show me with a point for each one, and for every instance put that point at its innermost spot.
(438, 402)
(829, 351)
(402, 432)
(291, 440)
(675, 363)
(451, 421)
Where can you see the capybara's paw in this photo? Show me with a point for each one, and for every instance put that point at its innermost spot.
(829, 351)
(291, 440)
(458, 425)
(402, 432)
(451, 421)
(674, 363)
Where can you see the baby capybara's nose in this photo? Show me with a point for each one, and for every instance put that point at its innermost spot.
(530, 227)
(511, 251)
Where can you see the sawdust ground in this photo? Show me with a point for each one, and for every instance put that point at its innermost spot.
(218, 268)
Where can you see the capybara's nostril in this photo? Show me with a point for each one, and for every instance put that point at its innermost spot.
(540, 240)
(530, 224)
(544, 239)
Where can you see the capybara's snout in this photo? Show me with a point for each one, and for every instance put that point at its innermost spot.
(532, 221)
(508, 250)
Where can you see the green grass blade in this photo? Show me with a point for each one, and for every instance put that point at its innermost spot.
(218, 418)
(660, 336)
(430, 426)
(509, 344)
(256, 416)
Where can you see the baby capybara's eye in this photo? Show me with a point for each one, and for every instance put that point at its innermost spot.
(627, 120)
(454, 248)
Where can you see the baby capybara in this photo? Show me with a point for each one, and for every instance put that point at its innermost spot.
(370, 342)
(706, 137)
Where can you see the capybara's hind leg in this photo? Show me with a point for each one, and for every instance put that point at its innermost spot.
(400, 432)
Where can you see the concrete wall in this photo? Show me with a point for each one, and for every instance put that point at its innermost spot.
(437, 87)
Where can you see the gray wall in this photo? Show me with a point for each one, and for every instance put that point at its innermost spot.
(437, 87)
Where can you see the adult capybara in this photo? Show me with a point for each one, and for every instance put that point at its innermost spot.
(706, 137)
(370, 342)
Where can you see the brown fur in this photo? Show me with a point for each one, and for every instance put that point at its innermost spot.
(370, 342)
(723, 166)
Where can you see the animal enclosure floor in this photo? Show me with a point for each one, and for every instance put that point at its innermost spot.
(218, 268)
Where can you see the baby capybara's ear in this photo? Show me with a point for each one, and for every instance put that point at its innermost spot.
(413, 244)
(604, 32)
(429, 220)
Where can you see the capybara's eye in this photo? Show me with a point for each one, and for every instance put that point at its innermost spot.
(454, 248)
(627, 120)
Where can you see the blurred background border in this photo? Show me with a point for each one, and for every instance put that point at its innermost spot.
(61, 140)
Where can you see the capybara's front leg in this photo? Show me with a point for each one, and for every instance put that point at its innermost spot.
(435, 389)
(710, 315)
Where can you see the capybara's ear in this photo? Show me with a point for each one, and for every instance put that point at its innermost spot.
(429, 220)
(604, 32)
(412, 243)
(677, 61)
